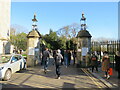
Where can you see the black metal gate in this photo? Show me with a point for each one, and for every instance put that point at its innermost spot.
(110, 46)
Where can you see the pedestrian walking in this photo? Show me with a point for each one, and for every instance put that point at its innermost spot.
(54, 55)
(74, 57)
(69, 57)
(94, 62)
(62, 52)
(106, 64)
(66, 58)
(58, 59)
(21, 51)
(41, 58)
(46, 55)
(117, 63)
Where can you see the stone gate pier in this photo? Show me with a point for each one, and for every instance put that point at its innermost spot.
(84, 44)
(33, 45)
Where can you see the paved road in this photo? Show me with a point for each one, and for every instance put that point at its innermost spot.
(71, 77)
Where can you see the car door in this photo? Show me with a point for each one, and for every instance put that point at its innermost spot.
(14, 64)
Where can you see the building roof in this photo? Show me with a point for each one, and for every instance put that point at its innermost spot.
(33, 33)
(83, 33)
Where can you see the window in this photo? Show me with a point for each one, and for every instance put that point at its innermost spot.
(14, 59)
(19, 57)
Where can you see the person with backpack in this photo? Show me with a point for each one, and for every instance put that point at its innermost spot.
(46, 55)
(58, 59)
(94, 62)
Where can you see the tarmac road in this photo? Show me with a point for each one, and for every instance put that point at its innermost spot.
(71, 77)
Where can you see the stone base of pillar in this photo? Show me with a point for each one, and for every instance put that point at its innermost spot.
(30, 61)
(36, 62)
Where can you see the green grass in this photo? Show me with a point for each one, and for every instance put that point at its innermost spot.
(111, 58)
(24, 55)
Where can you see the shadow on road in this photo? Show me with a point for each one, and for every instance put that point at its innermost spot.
(14, 86)
(51, 73)
(70, 85)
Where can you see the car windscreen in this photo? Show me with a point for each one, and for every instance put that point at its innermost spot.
(4, 59)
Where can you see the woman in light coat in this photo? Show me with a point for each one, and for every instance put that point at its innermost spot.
(106, 64)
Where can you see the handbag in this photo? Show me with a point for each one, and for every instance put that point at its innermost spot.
(93, 58)
(110, 71)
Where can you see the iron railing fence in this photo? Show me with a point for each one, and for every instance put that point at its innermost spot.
(110, 46)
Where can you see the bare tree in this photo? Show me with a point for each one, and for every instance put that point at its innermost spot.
(12, 31)
(19, 28)
(69, 31)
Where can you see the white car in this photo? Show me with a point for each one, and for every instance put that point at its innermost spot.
(9, 64)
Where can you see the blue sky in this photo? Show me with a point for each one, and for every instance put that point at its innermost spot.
(102, 17)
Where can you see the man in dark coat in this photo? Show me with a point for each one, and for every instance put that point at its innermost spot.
(46, 55)
(69, 57)
(66, 58)
(58, 59)
(117, 63)
(94, 62)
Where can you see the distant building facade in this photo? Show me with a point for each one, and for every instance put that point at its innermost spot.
(5, 9)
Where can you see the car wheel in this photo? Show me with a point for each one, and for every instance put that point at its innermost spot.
(7, 75)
